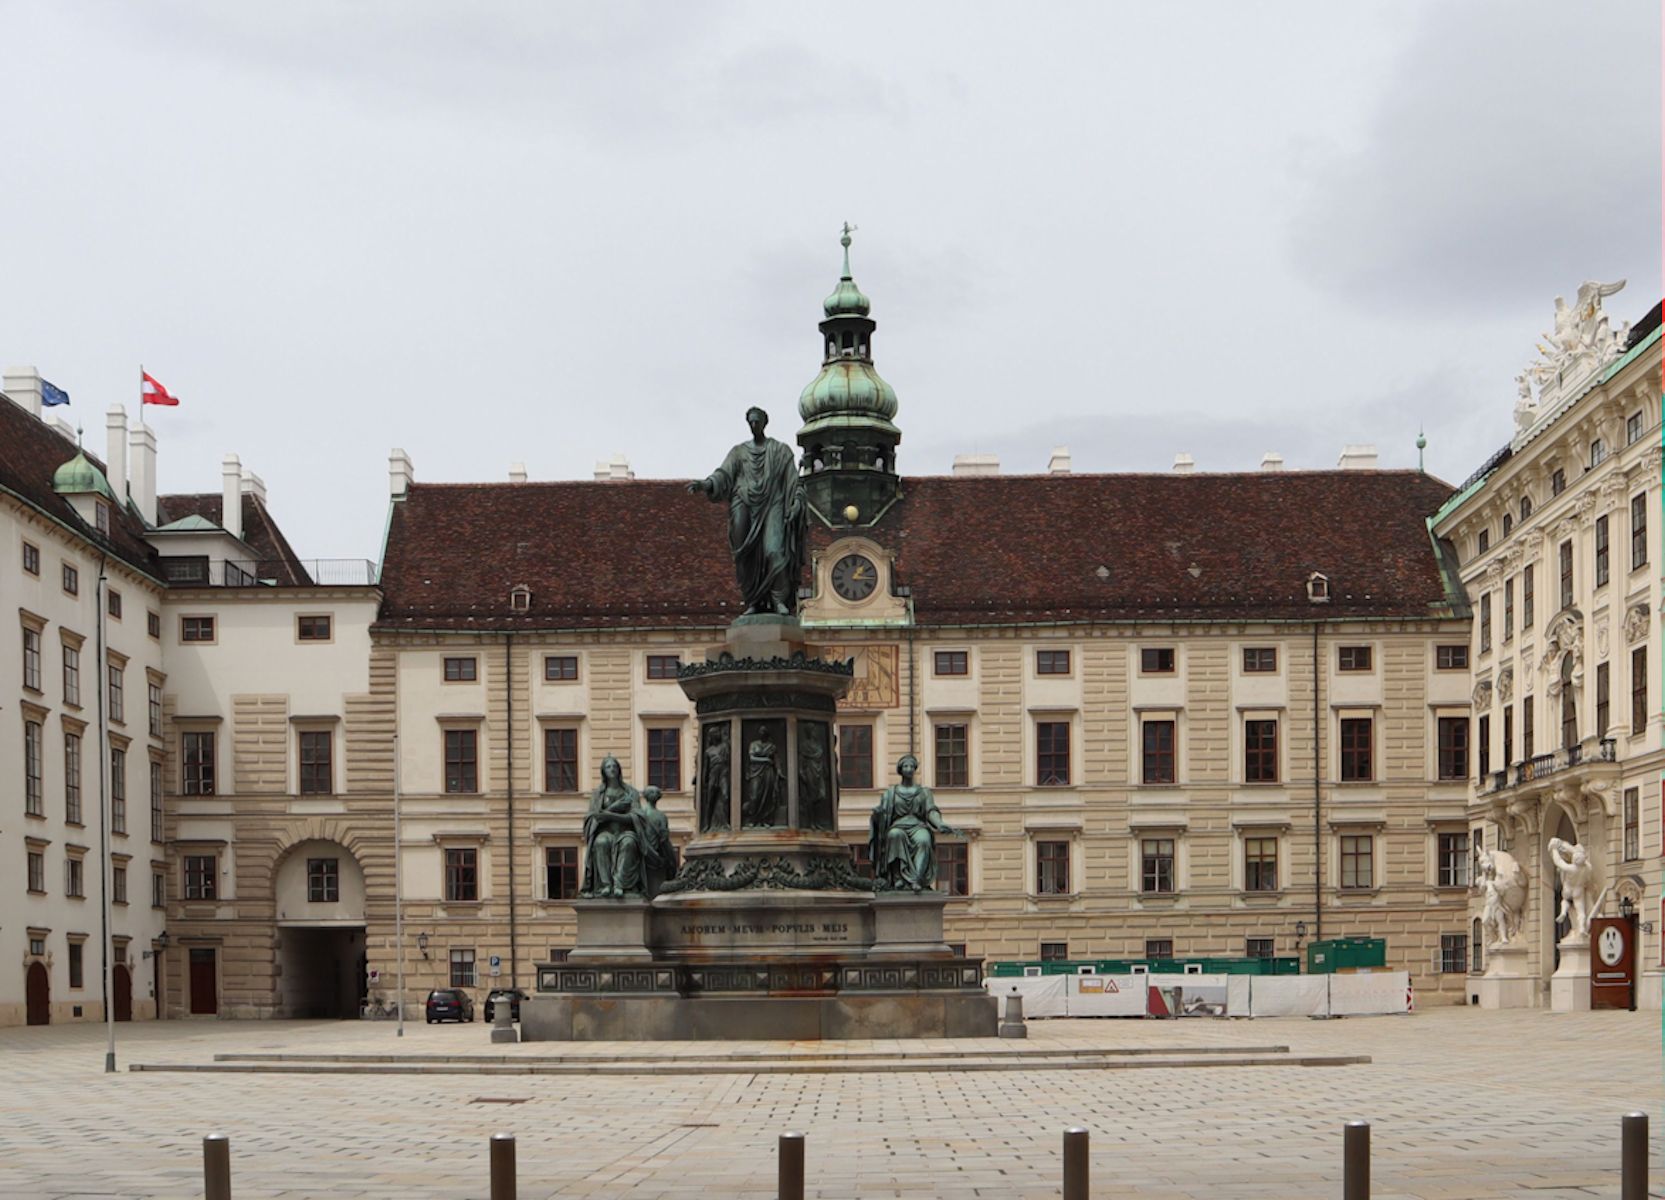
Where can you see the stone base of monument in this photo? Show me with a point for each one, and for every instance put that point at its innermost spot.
(1569, 987)
(1506, 983)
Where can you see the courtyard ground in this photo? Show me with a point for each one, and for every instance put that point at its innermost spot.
(1464, 1105)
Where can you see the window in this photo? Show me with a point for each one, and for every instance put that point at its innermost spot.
(1508, 523)
(1052, 662)
(1566, 574)
(560, 760)
(1260, 864)
(1526, 710)
(72, 675)
(117, 694)
(118, 885)
(1601, 550)
(1633, 428)
(1638, 531)
(1159, 949)
(201, 877)
(188, 570)
(34, 803)
(461, 670)
(77, 965)
(1639, 690)
(1260, 751)
(1156, 866)
(72, 778)
(1557, 482)
(561, 668)
(1055, 951)
(1603, 699)
(31, 558)
(560, 864)
(1451, 658)
(72, 580)
(1156, 660)
(1508, 735)
(1508, 610)
(664, 759)
(153, 624)
(112, 603)
(462, 874)
(953, 868)
(1569, 705)
(1633, 824)
(1258, 947)
(1485, 541)
(196, 629)
(312, 629)
(1476, 954)
(1052, 753)
(155, 801)
(1052, 868)
(317, 770)
(196, 755)
(1485, 622)
(1453, 953)
(31, 659)
(1598, 452)
(158, 890)
(950, 662)
(1356, 739)
(1526, 598)
(1355, 658)
(1525, 507)
(118, 790)
(1357, 860)
(323, 880)
(101, 517)
(37, 875)
(663, 666)
(461, 765)
(1485, 745)
(462, 968)
(1453, 860)
(862, 854)
(155, 698)
(1157, 763)
(855, 756)
(953, 759)
(1260, 660)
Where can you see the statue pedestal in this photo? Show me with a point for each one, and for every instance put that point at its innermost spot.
(1569, 987)
(613, 930)
(909, 925)
(1506, 983)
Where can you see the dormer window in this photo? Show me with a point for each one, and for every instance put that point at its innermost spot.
(1318, 588)
(101, 517)
(520, 598)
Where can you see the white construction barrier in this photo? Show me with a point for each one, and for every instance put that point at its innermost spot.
(1373, 993)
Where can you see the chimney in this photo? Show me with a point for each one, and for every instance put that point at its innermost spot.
(115, 458)
(976, 464)
(1271, 461)
(400, 473)
(231, 496)
(617, 467)
(1184, 463)
(254, 486)
(22, 384)
(517, 472)
(142, 485)
(1357, 458)
(1059, 463)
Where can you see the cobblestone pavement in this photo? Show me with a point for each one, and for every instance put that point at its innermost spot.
(1464, 1105)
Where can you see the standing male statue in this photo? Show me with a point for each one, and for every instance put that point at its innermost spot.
(767, 517)
(1579, 899)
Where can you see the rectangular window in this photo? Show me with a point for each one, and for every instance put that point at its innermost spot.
(1485, 540)
(1601, 550)
(1052, 753)
(317, 770)
(1485, 745)
(323, 880)
(118, 790)
(1598, 452)
(1260, 751)
(118, 695)
(34, 802)
(1159, 949)
(1358, 860)
(158, 890)
(1052, 662)
(1633, 428)
(1453, 860)
(196, 755)
(560, 864)
(31, 659)
(1055, 951)
(461, 670)
(1453, 953)
(1052, 868)
(1526, 598)
(156, 801)
(77, 965)
(153, 624)
(664, 759)
(462, 968)
(75, 879)
(37, 871)
(72, 580)
(561, 668)
(201, 877)
(1639, 690)
(950, 662)
(1259, 947)
(1354, 658)
(196, 629)
(1260, 660)
(953, 868)
(1156, 865)
(953, 758)
(1454, 748)
(118, 885)
(1451, 658)
(31, 559)
(1508, 735)
(1604, 702)
(855, 756)
(1566, 556)
(101, 517)
(560, 760)
(1557, 481)
(312, 629)
(461, 762)
(1260, 864)
(1526, 710)
(663, 666)
(1356, 745)
(1638, 531)
(155, 698)
(1485, 622)
(862, 855)
(1508, 610)
(1157, 763)
(462, 874)
(72, 778)
(72, 675)
(112, 600)
(1156, 660)
(1633, 824)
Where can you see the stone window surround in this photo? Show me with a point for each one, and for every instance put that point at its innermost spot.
(1038, 715)
(1060, 828)
(450, 722)
(656, 720)
(1136, 756)
(1355, 710)
(1448, 825)
(1141, 826)
(1373, 825)
(471, 839)
(927, 755)
(577, 722)
(1244, 828)
(544, 838)
(317, 723)
(1238, 775)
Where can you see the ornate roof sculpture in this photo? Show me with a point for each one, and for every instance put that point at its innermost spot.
(1572, 354)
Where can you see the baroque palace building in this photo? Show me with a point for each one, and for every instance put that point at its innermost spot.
(1174, 715)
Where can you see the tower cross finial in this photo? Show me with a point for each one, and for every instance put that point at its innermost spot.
(845, 242)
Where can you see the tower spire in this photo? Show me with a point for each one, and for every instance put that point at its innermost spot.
(845, 242)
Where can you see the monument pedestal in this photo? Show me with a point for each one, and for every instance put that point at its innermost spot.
(1506, 983)
(1569, 987)
(612, 930)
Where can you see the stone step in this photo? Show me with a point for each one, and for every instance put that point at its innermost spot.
(1013, 1048)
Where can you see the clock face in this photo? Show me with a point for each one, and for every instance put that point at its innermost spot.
(1611, 946)
(854, 577)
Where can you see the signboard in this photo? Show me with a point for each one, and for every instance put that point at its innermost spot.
(1612, 962)
(496, 966)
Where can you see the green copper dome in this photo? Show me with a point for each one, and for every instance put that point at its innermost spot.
(848, 388)
(78, 476)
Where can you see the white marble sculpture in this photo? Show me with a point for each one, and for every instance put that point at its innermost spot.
(1503, 884)
(1579, 896)
(1583, 341)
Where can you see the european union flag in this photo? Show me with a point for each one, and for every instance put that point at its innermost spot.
(51, 395)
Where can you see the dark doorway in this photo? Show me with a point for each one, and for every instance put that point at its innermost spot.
(322, 971)
(37, 988)
(123, 985)
(205, 986)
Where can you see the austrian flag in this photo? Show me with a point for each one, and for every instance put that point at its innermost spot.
(154, 393)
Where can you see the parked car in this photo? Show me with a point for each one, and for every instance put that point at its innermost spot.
(513, 995)
(449, 1004)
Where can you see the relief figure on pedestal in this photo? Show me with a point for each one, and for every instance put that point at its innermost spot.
(612, 857)
(903, 834)
(815, 802)
(767, 517)
(714, 779)
(765, 796)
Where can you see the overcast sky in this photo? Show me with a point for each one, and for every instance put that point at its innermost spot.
(489, 232)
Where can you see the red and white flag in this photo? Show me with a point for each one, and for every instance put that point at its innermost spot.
(152, 392)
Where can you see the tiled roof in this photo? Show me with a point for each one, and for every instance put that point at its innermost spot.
(974, 549)
(271, 549)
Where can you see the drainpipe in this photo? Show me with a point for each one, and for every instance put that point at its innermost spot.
(509, 758)
(1317, 797)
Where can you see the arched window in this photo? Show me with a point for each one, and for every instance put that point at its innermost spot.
(1569, 705)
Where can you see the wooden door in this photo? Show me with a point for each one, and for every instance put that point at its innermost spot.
(37, 987)
(205, 990)
(123, 986)
(1612, 962)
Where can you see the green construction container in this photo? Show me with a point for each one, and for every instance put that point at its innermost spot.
(1345, 954)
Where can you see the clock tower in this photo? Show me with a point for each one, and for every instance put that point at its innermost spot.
(848, 438)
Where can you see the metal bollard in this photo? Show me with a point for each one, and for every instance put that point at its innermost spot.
(1355, 1161)
(502, 1166)
(791, 1185)
(1633, 1157)
(1011, 1025)
(216, 1167)
(1075, 1163)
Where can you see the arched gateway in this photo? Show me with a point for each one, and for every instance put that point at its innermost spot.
(319, 896)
